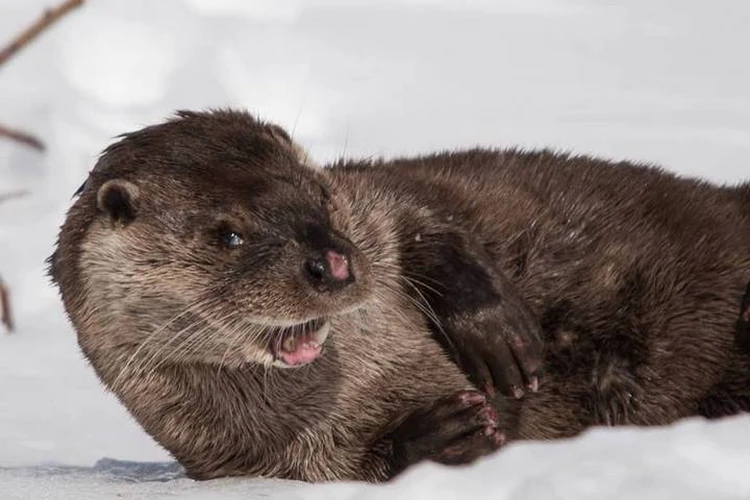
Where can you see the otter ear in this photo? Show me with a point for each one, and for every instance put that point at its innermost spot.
(281, 136)
(118, 199)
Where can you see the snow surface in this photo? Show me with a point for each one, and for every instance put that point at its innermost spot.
(663, 81)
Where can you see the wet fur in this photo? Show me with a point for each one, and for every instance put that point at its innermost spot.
(633, 273)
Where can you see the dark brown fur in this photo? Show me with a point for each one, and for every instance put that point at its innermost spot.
(634, 274)
(743, 323)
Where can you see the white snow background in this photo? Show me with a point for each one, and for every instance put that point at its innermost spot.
(666, 81)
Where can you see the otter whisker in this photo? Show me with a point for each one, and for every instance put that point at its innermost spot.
(428, 282)
(177, 354)
(415, 280)
(267, 373)
(424, 306)
(194, 342)
(220, 327)
(163, 345)
(155, 333)
(237, 333)
(399, 294)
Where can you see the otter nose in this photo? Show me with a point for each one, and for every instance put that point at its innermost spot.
(330, 271)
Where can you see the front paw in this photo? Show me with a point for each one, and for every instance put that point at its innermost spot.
(453, 431)
(499, 349)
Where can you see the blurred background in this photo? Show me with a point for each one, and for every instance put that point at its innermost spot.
(665, 82)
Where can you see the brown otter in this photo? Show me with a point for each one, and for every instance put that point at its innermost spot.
(203, 251)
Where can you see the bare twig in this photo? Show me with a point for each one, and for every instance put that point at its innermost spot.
(47, 19)
(5, 316)
(22, 137)
(44, 22)
(13, 194)
(20, 41)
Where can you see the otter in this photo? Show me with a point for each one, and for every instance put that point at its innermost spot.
(261, 316)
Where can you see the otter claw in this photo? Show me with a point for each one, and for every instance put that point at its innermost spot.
(454, 430)
(534, 383)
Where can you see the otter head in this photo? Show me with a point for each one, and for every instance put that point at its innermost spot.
(207, 238)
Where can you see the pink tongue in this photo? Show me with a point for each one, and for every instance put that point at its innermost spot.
(306, 351)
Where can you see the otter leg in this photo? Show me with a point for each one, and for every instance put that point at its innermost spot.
(476, 313)
(453, 431)
(5, 316)
(677, 372)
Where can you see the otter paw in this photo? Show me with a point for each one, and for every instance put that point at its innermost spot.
(453, 431)
(495, 356)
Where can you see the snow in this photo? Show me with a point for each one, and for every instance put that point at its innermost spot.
(660, 81)
(688, 460)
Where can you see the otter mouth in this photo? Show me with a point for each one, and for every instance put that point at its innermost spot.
(300, 344)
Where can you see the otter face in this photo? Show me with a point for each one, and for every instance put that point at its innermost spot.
(208, 239)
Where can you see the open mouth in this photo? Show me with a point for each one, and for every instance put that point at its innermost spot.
(300, 344)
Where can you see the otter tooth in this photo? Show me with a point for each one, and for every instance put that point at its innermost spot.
(290, 343)
(321, 334)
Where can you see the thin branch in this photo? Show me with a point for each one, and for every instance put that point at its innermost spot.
(47, 19)
(13, 194)
(5, 316)
(22, 137)
(44, 22)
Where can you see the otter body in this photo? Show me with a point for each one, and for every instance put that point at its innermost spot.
(185, 266)
(635, 275)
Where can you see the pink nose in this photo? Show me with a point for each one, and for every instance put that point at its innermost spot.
(338, 265)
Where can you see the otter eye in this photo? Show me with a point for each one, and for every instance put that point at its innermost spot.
(231, 239)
